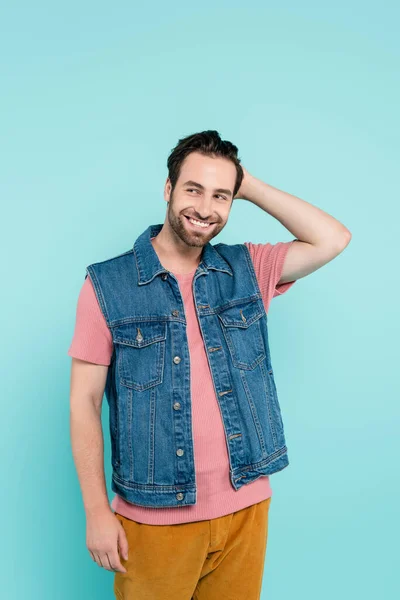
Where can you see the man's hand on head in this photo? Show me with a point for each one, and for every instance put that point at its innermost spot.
(242, 191)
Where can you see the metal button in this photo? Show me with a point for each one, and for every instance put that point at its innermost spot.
(179, 496)
(175, 313)
(164, 276)
(179, 452)
(177, 359)
(177, 405)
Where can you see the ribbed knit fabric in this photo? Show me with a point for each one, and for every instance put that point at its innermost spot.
(216, 496)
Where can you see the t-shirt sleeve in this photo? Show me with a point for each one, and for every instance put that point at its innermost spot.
(268, 260)
(92, 339)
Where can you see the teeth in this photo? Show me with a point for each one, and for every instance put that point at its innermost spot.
(199, 223)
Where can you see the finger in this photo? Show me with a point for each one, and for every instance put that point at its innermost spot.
(107, 564)
(115, 564)
(98, 560)
(123, 544)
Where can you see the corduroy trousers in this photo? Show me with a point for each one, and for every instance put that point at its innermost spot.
(215, 559)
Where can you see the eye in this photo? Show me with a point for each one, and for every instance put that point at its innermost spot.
(195, 190)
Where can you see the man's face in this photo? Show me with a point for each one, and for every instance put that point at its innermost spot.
(204, 192)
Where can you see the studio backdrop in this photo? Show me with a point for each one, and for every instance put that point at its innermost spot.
(94, 96)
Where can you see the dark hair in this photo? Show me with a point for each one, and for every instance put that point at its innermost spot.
(208, 143)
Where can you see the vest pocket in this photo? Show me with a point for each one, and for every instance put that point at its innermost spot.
(241, 328)
(140, 351)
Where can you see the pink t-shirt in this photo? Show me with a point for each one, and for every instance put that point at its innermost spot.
(92, 341)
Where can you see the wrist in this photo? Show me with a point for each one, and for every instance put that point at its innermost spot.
(250, 185)
(97, 509)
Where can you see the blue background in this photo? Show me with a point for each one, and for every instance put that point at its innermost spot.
(94, 97)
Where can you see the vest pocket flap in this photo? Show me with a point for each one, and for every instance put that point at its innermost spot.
(140, 334)
(241, 315)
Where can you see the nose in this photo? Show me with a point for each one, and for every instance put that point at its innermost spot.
(204, 208)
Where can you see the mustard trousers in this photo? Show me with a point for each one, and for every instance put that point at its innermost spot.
(215, 559)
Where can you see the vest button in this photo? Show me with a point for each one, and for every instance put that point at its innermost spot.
(179, 452)
(177, 359)
(177, 405)
(179, 496)
(175, 313)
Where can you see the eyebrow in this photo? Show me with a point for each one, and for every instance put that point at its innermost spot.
(195, 184)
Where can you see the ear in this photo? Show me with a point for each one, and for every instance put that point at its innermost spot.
(167, 189)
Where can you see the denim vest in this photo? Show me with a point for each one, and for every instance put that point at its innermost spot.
(148, 380)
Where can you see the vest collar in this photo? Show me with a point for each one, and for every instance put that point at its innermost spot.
(149, 265)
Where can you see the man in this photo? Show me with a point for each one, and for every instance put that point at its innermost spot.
(174, 331)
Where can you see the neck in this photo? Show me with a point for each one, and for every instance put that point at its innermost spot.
(173, 253)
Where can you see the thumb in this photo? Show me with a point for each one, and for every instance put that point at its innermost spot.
(123, 543)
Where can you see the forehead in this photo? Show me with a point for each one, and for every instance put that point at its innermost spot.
(208, 170)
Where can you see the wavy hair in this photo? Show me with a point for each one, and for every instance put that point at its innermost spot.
(208, 143)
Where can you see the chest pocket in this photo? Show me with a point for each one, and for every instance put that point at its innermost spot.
(140, 353)
(241, 328)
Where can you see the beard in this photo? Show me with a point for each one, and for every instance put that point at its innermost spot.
(191, 237)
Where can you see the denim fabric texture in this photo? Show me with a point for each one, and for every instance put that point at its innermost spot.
(148, 380)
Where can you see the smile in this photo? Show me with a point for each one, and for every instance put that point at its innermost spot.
(198, 224)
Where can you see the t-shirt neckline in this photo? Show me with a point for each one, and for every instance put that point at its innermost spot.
(185, 275)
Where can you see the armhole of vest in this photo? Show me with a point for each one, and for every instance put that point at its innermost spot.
(251, 268)
(100, 298)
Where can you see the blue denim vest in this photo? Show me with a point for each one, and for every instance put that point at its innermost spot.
(148, 380)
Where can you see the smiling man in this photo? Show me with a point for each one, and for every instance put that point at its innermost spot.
(199, 192)
(174, 331)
